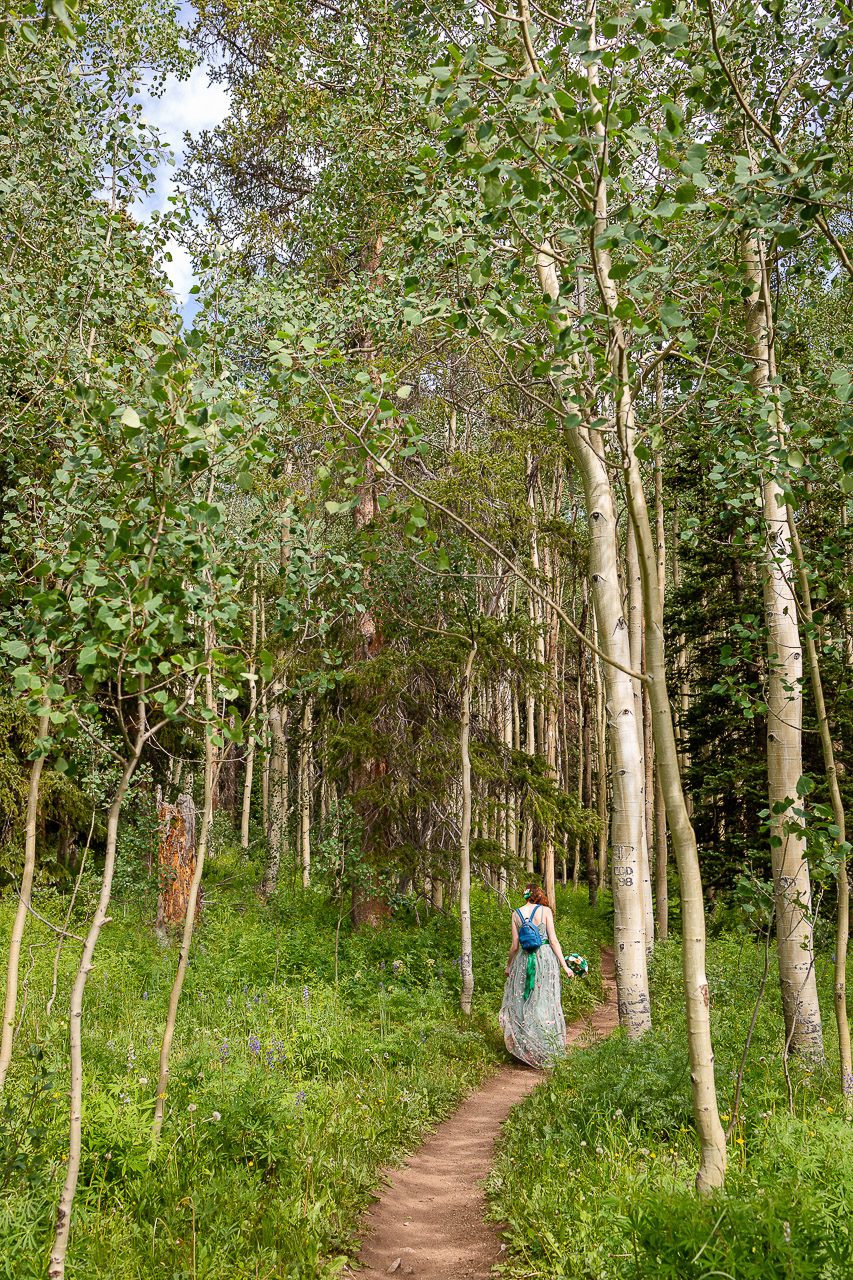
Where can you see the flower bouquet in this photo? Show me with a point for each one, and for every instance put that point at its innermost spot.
(578, 965)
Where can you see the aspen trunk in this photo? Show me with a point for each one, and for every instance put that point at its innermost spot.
(601, 764)
(712, 1165)
(635, 640)
(24, 900)
(265, 739)
(305, 765)
(792, 885)
(59, 1249)
(279, 799)
(189, 920)
(250, 748)
(661, 869)
(466, 949)
(632, 982)
(842, 931)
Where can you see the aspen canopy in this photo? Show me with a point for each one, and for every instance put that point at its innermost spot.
(482, 516)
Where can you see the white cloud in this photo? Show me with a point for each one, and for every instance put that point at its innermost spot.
(184, 106)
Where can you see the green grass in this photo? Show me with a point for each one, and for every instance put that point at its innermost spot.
(287, 1094)
(595, 1178)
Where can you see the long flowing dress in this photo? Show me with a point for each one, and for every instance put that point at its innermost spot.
(534, 1029)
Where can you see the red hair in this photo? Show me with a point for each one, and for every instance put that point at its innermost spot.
(536, 895)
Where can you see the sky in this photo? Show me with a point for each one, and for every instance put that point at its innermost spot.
(185, 106)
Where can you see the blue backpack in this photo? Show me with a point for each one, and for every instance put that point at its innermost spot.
(529, 937)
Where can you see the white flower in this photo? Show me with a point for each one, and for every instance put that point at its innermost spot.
(143, 1079)
(191, 1107)
(216, 1116)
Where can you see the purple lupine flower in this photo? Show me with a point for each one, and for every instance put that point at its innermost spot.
(224, 1053)
(381, 964)
(270, 1056)
(396, 965)
(254, 1046)
(300, 1100)
(306, 995)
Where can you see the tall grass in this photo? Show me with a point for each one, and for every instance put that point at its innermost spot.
(287, 1093)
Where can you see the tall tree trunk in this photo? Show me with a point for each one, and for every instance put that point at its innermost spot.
(59, 1249)
(792, 885)
(250, 748)
(842, 932)
(635, 636)
(305, 767)
(632, 981)
(279, 799)
(265, 731)
(189, 919)
(661, 869)
(586, 747)
(24, 898)
(466, 949)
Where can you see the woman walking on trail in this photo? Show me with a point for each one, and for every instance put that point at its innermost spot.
(531, 1015)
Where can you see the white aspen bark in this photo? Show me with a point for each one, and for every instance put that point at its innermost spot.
(305, 794)
(277, 831)
(842, 928)
(660, 838)
(250, 749)
(466, 949)
(682, 664)
(25, 895)
(791, 881)
(210, 756)
(712, 1165)
(265, 774)
(530, 749)
(59, 1249)
(601, 762)
(661, 868)
(632, 982)
(635, 639)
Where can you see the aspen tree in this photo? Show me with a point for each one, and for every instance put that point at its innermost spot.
(466, 948)
(250, 750)
(25, 894)
(791, 880)
(305, 771)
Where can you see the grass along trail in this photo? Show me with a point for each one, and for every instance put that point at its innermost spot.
(430, 1220)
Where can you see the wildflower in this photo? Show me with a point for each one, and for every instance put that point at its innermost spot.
(300, 1099)
(381, 964)
(216, 1116)
(306, 994)
(145, 995)
(254, 1047)
(617, 1113)
(599, 1151)
(583, 1144)
(192, 1107)
(430, 962)
(143, 1079)
(786, 1229)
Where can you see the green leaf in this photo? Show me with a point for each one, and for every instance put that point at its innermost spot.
(245, 480)
(159, 338)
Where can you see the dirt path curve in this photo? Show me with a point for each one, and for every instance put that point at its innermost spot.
(429, 1221)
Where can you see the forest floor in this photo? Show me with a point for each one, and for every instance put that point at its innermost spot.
(430, 1222)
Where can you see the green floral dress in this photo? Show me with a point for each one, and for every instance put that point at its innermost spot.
(534, 1029)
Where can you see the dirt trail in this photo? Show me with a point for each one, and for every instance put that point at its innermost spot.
(429, 1221)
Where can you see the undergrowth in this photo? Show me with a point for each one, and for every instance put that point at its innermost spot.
(595, 1178)
(287, 1092)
